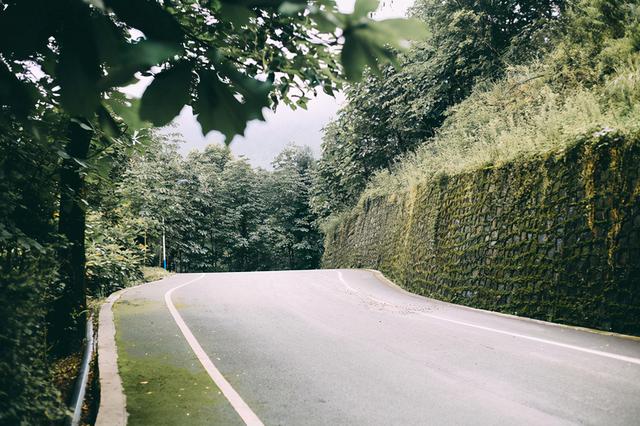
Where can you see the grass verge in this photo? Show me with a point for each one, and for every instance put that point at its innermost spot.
(163, 381)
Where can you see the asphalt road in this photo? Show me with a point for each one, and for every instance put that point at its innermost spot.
(332, 347)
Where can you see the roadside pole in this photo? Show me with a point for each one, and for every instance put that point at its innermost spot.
(164, 247)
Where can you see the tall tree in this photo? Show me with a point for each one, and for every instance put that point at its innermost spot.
(225, 59)
(386, 116)
(28, 270)
(296, 233)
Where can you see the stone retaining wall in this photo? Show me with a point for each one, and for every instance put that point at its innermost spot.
(555, 237)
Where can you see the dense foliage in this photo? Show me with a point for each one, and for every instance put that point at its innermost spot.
(470, 43)
(28, 276)
(66, 132)
(587, 84)
(219, 213)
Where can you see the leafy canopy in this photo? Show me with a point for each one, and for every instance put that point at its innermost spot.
(219, 213)
(227, 59)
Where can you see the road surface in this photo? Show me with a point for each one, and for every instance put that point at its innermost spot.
(344, 347)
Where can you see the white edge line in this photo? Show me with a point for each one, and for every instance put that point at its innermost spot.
(507, 333)
(244, 411)
(381, 277)
(112, 410)
(537, 339)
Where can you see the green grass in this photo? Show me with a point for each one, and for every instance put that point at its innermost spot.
(163, 381)
(160, 393)
(154, 273)
(517, 118)
(589, 83)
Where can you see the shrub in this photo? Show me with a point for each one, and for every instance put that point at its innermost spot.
(586, 85)
(114, 258)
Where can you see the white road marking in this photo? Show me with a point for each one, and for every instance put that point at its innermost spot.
(507, 333)
(238, 404)
(537, 339)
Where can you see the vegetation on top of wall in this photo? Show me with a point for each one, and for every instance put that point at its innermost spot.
(471, 43)
(526, 199)
(590, 83)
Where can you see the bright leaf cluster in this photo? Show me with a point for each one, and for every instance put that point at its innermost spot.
(227, 59)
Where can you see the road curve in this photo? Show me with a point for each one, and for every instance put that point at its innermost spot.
(333, 347)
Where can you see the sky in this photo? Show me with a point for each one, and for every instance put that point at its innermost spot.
(263, 140)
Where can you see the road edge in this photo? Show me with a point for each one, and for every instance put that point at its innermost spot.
(381, 277)
(112, 410)
(243, 410)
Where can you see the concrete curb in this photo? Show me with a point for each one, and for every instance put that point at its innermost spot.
(390, 283)
(113, 402)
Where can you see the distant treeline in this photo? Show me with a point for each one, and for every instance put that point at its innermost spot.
(218, 214)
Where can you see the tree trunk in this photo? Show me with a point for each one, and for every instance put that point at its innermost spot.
(69, 310)
(290, 253)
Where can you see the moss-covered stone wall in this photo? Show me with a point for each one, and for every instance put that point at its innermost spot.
(555, 237)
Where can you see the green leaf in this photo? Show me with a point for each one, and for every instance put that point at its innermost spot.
(62, 154)
(78, 72)
(82, 124)
(217, 108)
(121, 58)
(255, 94)
(325, 21)
(167, 94)
(364, 7)
(134, 58)
(218, 105)
(290, 8)
(371, 44)
(81, 163)
(149, 17)
(358, 52)
(238, 15)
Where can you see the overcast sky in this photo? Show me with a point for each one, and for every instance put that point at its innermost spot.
(264, 140)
